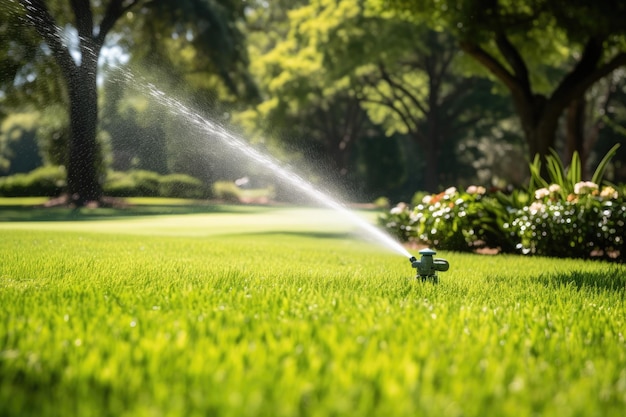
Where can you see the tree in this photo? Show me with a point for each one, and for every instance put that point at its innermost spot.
(76, 48)
(524, 44)
(405, 77)
(80, 76)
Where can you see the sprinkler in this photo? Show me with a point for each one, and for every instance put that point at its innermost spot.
(428, 266)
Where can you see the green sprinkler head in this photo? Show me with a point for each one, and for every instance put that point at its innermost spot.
(428, 266)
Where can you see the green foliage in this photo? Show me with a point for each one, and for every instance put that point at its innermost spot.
(382, 203)
(565, 179)
(132, 183)
(142, 317)
(181, 186)
(562, 216)
(587, 224)
(143, 183)
(46, 181)
(451, 220)
(227, 191)
(50, 181)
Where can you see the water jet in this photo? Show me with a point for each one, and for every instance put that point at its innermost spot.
(216, 130)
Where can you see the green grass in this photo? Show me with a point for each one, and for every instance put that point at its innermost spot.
(243, 311)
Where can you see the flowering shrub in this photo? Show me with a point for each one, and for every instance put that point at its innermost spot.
(452, 220)
(568, 217)
(587, 223)
(399, 222)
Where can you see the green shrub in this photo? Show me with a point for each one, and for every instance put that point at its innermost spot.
(227, 191)
(146, 183)
(451, 220)
(382, 203)
(120, 184)
(141, 183)
(587, 223)
(399, 223)
(181, 186)
(47, 181)
(561, 217)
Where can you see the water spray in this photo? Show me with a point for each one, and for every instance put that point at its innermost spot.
(428, 266)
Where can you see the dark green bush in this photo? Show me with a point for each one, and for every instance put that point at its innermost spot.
(146, 183)
(47, 181)
(588, 223)
(141, 183)
(181, 186)
(120, 184)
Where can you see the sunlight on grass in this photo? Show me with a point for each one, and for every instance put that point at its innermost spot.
(22, 201)
(222, 314)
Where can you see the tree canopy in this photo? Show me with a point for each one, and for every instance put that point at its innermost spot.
(546, 53)
(377, 94)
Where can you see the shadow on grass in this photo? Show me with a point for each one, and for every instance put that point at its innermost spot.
(613, 278)
(56, 214)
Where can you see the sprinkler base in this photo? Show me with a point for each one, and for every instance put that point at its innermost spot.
(428, 266)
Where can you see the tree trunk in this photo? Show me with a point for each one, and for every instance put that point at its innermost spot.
(575, 132)
(539, 118)
(83, 184)
(431, 159)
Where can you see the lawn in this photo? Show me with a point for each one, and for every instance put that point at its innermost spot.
(257, 311)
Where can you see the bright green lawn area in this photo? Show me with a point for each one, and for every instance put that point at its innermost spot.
(250, 311)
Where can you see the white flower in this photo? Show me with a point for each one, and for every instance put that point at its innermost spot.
(535, 207)
(427, 198)
(554, 188)
(399, 208)
(541, 193)
(585, 187)
(450, 191)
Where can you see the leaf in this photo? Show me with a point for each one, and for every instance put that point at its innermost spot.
(599, 172)
(535, 175)
(555, 168)
(574, 173)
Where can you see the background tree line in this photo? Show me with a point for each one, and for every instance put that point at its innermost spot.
(380, 97)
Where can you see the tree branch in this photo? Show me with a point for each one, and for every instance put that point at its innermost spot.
(586, 72)
(515, 60)
(394, 85)
(84, 18)
(114, 11)
(494, 66)
(384, 101)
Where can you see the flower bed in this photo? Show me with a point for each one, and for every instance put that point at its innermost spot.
(590, 222)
